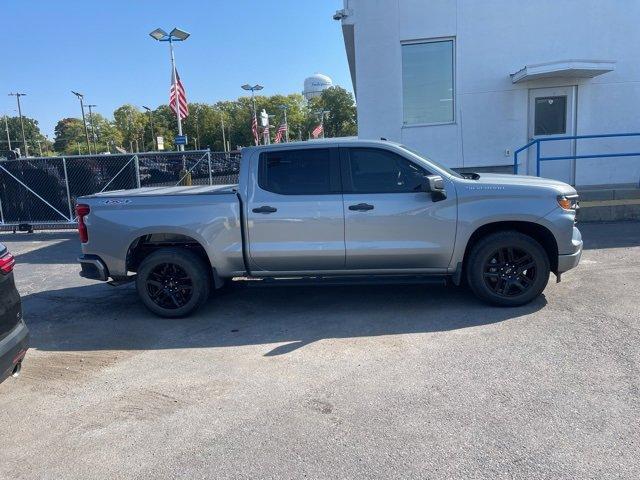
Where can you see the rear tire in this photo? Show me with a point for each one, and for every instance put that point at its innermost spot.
(173, 282)
(507, 269)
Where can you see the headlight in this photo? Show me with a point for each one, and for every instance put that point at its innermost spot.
(568, 202)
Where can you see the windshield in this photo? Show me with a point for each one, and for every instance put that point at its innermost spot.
(440, 166)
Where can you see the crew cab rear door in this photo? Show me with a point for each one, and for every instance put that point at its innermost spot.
(390, 223)
(295, 211)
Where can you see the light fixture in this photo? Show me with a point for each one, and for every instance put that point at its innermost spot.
(179, 34)
(159, 34)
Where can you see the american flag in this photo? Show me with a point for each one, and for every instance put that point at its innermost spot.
(317, 131)
(178, 89)
(282, 129)
(254, 128)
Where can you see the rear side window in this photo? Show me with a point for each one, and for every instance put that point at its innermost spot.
(299, 172)
(371, 170)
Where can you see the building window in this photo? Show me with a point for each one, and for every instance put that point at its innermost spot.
(427, 82)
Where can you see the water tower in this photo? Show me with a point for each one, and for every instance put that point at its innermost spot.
(315, 84)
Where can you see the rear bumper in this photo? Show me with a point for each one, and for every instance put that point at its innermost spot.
(93, 268)
(567, 262)
(13, 348)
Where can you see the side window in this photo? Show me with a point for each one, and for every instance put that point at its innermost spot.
(297, 172)
(380, 171)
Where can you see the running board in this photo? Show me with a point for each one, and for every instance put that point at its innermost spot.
(341, 281)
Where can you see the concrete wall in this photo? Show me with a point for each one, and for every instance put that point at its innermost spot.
(493, 39)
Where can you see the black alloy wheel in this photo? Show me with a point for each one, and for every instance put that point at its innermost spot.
(509, 271)
(169, 286)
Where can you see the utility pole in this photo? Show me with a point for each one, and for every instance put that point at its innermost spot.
(197, 126)
(24, 139)
(153, 135)
(6, 126)
(84, 120)
(224, 138)
(93, 131)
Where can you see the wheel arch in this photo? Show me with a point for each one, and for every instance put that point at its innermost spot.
(538, 232)
(145, 244)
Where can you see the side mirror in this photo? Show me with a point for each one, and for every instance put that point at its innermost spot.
(435, 186)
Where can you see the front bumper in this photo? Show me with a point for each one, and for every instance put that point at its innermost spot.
(569, 261)
(93, 268)
(13, 348)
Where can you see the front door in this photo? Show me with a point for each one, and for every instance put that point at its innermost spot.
(390, 224)
(552, 113)
(294, 211)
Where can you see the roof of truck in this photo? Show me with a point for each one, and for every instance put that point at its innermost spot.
(344, 141)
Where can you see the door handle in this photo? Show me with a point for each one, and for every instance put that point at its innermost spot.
(363, 207)
(264, 209)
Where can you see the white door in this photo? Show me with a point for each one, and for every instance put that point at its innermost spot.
(552, 113)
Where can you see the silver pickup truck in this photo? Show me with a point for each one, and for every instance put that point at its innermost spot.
(334, 209)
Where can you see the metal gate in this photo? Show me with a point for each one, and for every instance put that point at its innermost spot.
(42, 192)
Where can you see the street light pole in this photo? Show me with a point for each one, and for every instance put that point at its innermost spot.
(93, 131)
(84, 120)
(153, 135)
(24, 139)
(177, 101)
(176, 35)
(253, 89)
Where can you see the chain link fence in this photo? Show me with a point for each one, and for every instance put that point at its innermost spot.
(42, 192)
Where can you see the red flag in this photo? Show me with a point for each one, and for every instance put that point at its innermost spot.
(177, 89)
(317, 131)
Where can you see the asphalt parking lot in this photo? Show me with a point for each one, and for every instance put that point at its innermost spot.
(328, 382)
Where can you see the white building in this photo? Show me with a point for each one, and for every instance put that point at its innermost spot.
(467, 81)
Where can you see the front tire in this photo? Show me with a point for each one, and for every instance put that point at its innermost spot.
(507, 269)
(173, 282)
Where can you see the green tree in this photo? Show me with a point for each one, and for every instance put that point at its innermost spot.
(35, 139)
(132, 124)
(341, 120)
(69, 137)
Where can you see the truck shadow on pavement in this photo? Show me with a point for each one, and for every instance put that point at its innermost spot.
(99, 317)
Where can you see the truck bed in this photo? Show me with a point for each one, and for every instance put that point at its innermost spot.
(157, 191)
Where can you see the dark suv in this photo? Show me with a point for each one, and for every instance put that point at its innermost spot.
(14, 336)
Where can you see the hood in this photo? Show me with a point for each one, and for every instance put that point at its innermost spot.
(525, 181)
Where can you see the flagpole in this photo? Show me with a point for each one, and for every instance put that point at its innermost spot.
(286, 132)
(175, 80)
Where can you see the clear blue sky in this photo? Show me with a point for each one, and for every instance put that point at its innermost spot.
(102, 48)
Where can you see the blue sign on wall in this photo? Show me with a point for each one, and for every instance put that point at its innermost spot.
(181, 140)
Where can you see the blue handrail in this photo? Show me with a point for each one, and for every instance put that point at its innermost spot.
(540, 158)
